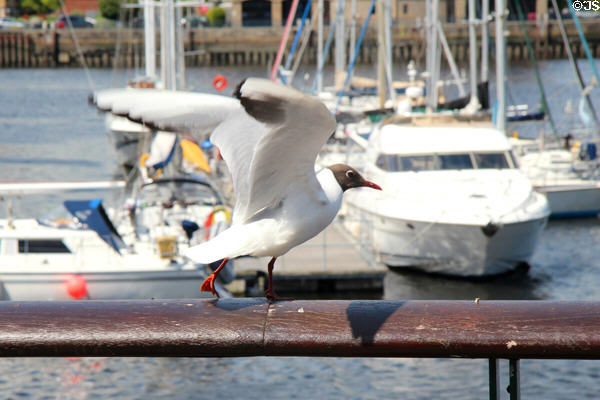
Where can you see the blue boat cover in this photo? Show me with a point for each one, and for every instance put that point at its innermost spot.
(92, 215)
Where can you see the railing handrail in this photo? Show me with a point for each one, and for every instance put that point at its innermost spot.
(255, 327)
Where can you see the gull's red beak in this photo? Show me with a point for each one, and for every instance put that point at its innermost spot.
(371, 185)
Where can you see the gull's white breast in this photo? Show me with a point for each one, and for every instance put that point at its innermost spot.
(302, 216)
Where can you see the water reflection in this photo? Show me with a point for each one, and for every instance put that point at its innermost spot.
(420, 286)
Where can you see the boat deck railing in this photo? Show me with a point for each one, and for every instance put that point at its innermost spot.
(246, 327)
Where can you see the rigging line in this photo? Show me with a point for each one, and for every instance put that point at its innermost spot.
(533, 60)
(284, 38)
(572, 60)
(355, 55)
(117, 47)
(288, 61)
(305, 38)
(129, 49)
(583, 41)
(77, 47)
(510, 95)
(324, 56)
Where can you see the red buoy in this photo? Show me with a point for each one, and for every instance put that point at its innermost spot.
(220, 82)
(76, 287)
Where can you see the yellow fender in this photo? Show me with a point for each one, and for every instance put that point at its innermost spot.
(193, 153)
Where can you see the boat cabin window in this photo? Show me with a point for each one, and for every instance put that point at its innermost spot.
(437, 162)
(42, 246)
(415, 163)
(454, 161)
(491, 160)
(382, 162)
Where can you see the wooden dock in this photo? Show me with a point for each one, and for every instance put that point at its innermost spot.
(33, 48)
(330, 262)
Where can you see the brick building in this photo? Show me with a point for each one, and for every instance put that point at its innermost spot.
(84, 7)
(274, 12)
(8, 8)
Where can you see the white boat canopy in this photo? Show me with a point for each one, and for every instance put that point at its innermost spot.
(406, 139)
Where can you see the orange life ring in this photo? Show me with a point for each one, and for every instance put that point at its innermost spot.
(219, 82)
(210, 219)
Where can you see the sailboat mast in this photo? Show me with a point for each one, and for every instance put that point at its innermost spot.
(436, 52)
(320, 45)
(500, 66)
(388, 49)
(340, 40)
(485, 11)
(430, 55)
(381, 75)
(171, 46)
(352, 43)
(149, 39)
(474, 101)
(179, 50)
(164, 70)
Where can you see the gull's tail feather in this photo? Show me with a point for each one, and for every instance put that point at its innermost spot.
(228, 244)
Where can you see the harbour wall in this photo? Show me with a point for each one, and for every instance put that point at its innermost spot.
(258, 45)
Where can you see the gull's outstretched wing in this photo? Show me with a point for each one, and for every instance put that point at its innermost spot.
(269, 135)
(273, 145)
(176, 111)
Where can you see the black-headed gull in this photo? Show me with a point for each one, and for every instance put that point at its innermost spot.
(270, 144)
(269, 137)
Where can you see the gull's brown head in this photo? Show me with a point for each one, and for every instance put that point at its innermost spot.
(349, 178)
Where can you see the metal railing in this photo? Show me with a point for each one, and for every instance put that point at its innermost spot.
(494, 330)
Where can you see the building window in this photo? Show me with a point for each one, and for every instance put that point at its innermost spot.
(405, 9)
(256, 13)
(286, 5)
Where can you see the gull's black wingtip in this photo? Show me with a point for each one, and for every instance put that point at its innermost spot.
(238, 89)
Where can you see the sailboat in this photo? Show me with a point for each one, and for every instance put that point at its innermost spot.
(94, 252)
(123, 133)
(566, 170)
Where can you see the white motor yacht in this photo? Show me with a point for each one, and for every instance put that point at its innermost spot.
(453, 200)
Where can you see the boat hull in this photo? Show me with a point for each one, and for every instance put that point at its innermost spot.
(567, 201)
(124, 137)
(452, 249)
(104, 285)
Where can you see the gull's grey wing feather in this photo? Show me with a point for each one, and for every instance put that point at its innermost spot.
(277, 143)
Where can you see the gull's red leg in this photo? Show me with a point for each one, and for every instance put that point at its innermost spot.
(270, 291)
(209, 283)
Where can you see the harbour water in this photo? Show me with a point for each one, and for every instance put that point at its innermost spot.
(49, 132)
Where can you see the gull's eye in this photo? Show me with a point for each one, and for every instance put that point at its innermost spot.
(350, 174)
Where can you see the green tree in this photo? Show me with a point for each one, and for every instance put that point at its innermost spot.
(216, 16)
(39, 6)
(109, 8)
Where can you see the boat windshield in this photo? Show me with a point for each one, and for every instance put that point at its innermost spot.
(491, 160)
(436, 162)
